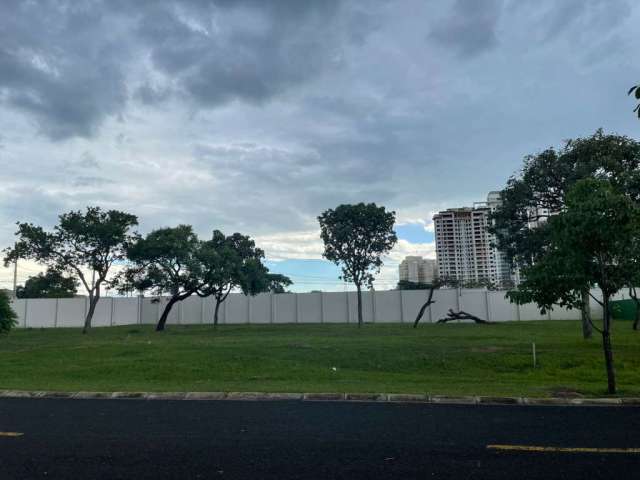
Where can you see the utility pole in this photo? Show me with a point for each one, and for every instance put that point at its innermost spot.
(15, 278)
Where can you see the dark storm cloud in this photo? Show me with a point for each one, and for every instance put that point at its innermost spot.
(248, 50)
(470, 27)
(57, 67)
(66, 63)
(256, 115)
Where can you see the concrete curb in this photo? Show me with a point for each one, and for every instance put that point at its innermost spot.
(329, 397)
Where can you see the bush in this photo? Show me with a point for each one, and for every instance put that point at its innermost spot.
(8, 318)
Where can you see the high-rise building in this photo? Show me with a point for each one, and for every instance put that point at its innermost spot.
(418, 270)
(464, 247)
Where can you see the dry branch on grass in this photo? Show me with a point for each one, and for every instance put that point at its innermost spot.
(462, 315)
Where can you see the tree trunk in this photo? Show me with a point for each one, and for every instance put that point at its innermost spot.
(359, 305)
(424, 307)
(165, 313)
(606, 347)
(215, 313)
(587, 329)
(636, 322)
(93, 301)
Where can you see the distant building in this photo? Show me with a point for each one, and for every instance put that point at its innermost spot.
(464, 249)
(418, 270)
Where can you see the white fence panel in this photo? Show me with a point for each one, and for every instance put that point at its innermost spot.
(150, 311)
(335, 307)
(445, 299)
(19, 306)
(412, 301)
(174, 314)
(125, 311)
(560, 313)
(237, 309)
(474, 302)
(209, 306)
(388, 306)
(330, 307)
(530, 311)
(41, 312)
(260, 308)
(596, 308)
(367, 307)
(285, 305)
(102, 313)
(500, 309)
(191, 310)
(71, 312)
(309, 307)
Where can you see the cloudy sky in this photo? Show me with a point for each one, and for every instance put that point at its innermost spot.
(255, 116)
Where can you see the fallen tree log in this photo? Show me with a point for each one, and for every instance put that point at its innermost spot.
(462, 315)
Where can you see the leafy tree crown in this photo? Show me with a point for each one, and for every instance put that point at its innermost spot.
(356, 237)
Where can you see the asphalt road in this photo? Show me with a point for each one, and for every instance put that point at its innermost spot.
(110, 439)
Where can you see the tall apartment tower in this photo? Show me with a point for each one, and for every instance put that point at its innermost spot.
(464, 248)
(417, 269)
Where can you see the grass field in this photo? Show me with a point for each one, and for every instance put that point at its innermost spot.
(453, 359)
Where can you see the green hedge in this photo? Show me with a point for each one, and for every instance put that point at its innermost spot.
(623, 309)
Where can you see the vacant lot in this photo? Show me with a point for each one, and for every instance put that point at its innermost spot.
(454, 359)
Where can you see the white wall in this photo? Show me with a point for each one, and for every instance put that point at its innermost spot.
(391, 306)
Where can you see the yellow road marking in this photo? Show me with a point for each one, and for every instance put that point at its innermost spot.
(11, 434)
(534, 448)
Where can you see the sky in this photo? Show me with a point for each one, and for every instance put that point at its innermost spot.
(255, 116)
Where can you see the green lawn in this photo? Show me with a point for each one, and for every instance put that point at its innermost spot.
(452, 359)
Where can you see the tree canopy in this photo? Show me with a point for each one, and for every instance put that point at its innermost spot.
(234, 262)
(356, 237)
(93, 240)
(592, 242)
(539, 192)
(52, 284)
(164, 262)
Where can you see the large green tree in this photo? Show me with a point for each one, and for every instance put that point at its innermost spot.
(356, 237)
(591, 243)
(539, 192)
(234, 262)
(164, 262)
(8, 317)
(81, 242)
(52, 284)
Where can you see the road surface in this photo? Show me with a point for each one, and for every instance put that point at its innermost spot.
(110, 439)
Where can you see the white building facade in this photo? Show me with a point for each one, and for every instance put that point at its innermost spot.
(464, 247)
(418, 270)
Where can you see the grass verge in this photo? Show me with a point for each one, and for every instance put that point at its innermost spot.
(453, 359)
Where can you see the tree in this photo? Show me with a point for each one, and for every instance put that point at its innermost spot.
(165, 261)
(234, 262)
(592, 242)
(636, 91)
(8, 318)
(52, 284)
(93, 240)
(278, 283)
(356, 237)
(539, 192)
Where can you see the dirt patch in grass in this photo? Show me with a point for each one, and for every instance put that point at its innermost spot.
(486, 349)
(565, 392)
